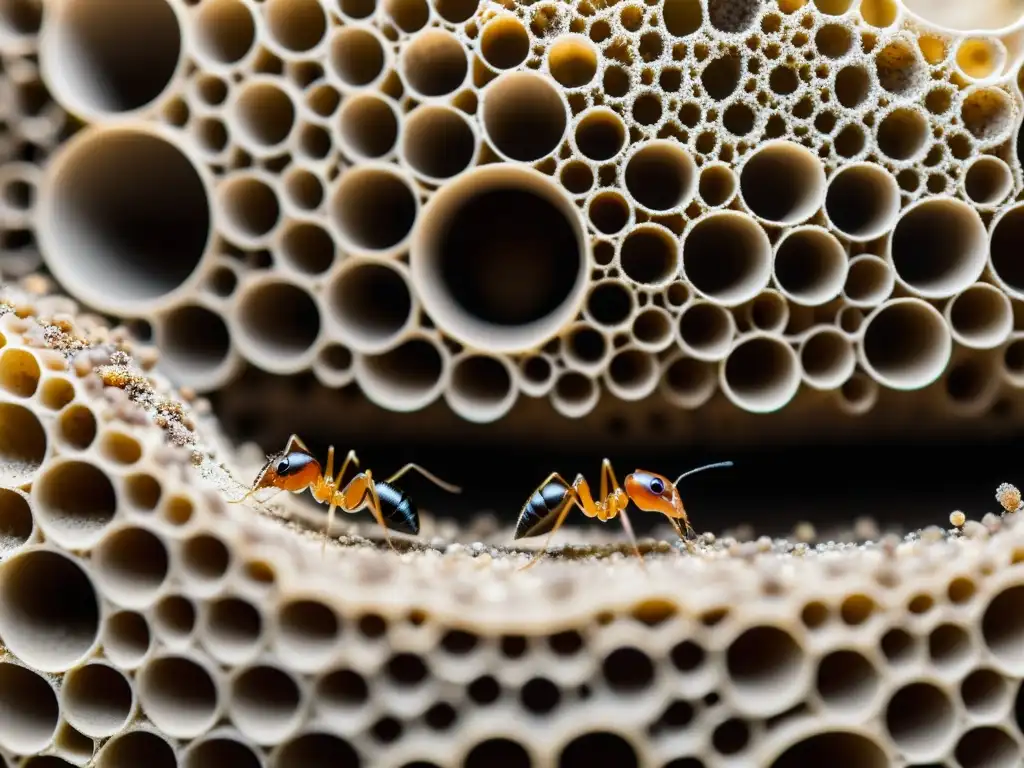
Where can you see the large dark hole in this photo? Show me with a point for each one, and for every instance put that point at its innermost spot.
(509, 257)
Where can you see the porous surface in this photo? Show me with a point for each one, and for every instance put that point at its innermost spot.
(710, 204)
(146, 622)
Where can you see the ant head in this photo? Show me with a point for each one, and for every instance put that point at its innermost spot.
(654, 493)
(292, 471)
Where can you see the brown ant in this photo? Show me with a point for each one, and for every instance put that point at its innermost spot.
(295, 469)
(548, 506)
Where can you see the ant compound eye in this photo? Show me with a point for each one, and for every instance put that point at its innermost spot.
(657, 486)
(283, 466)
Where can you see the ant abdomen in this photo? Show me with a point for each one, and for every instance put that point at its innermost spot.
(398, 510)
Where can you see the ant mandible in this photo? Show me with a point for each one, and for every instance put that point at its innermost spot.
(547, 508)
(295, 469)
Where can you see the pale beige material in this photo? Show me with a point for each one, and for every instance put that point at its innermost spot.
(248, 644)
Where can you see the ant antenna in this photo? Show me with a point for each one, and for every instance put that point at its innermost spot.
(701, 469)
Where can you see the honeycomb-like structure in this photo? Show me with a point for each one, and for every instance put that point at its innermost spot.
(146, 622)
(711, 204)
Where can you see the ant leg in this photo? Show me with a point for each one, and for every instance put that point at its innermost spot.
(330, 521)
(351, 458)
(632, 538)
(554, 529)
(608, 478)
(431, 477)
(371, 491)
(329, 471)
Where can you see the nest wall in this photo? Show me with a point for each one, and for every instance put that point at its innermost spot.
(712, 208)
(145, 621)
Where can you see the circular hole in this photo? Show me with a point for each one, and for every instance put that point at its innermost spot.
(652, 328)
(727, 257)
(264, 703)
(137, 748)
(497, 751)
(16, 522)
(761, 374)
(594, 749)
(906, 344)
(279, 319)
(610, 303)
(456, 11)
(22, 444)
(317, 750)
(97, 700)
(205, 558)
(372, 304)
(434, 63)
(180, 330)
(939, 247)
(131, 565)
(307, 247)
(688, 382)
(174, 618)
(810, 266)
(308, 628)
(406, 377)
(837, 749)
(577, 177)
(49, 611)
(438, 142)
(505, 43)
(303, 189)
(482, 388)
(110, 176)
(847, 680)
(903, 134)
(126, 638)
(409, 15)
(987, 747)
(919, 716)
(574, 395)
(31, 712)
(981, 317)
(224, 31)
(233, 629)
(297, 26)
(249, 206)
(899, 68)
(74, 502)
(706, 330)
(783, 183)
(984, 692)
(649, 255)
(660, 176)
(19, 372)
(988, 113)
(1003, 626)
(374, 209)
(495, 282)
(368, 126)
(356, 56)
(264, 115)
(988, 181)
(341, 690)
(573, 61)
(869, 281)
(763, 663)
(77, 426)
(90, 69)
(600, 134)
(178, 695)
(717, 185)
(524, 116)
(215, 752)
(56, 393)
(828, 359)
(1007, 232)
(609, 212)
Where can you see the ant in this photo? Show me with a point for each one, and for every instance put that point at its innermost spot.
(547, 508)
(295, 469)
